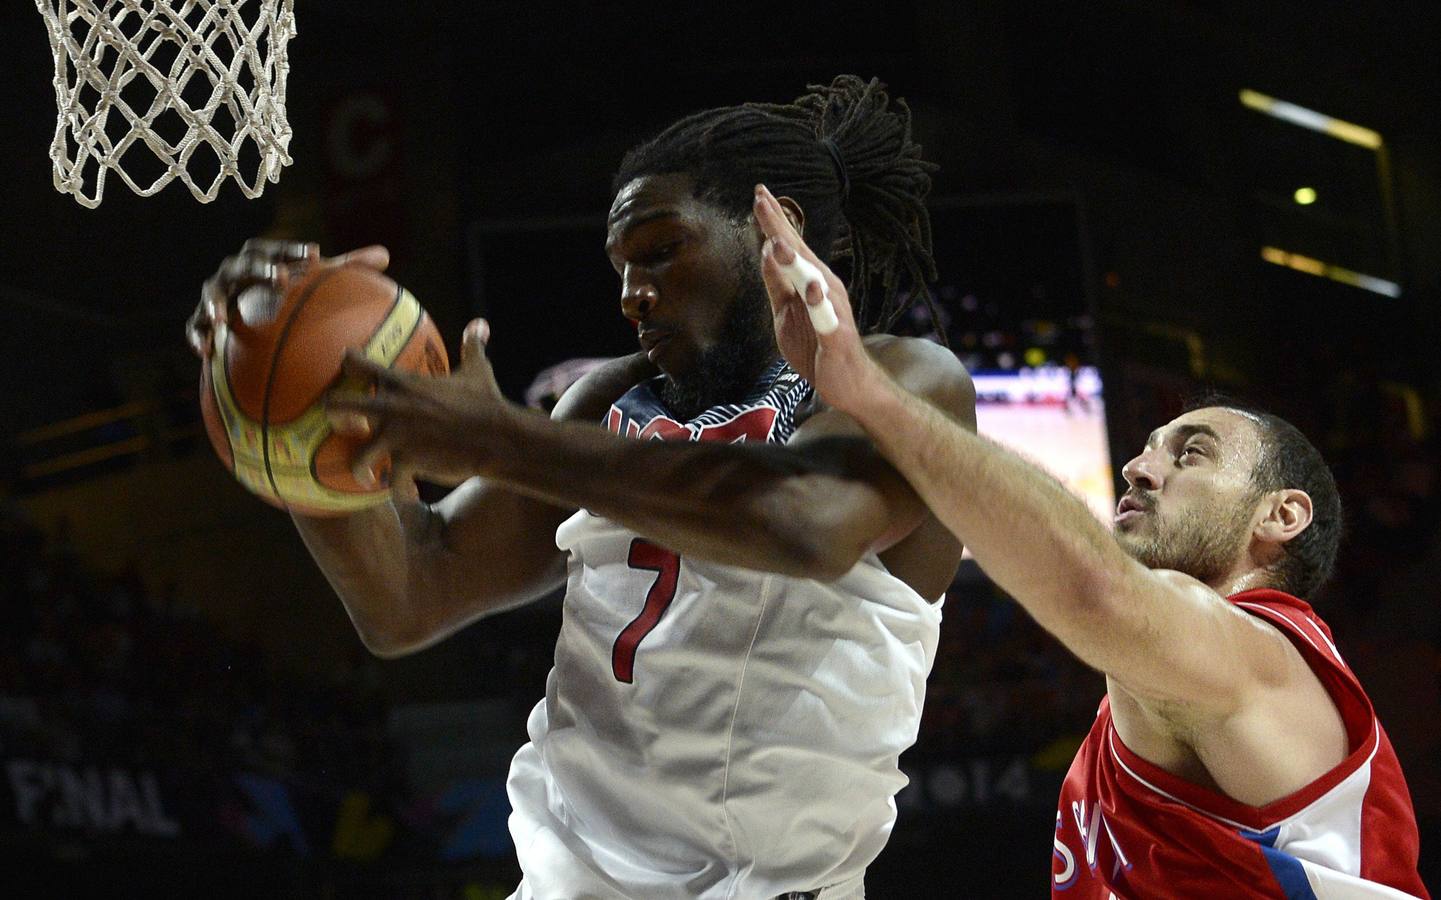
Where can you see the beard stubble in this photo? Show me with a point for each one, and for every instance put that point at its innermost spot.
(728, 370)
(1199, 543)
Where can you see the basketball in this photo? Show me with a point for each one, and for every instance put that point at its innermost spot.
(262, 389)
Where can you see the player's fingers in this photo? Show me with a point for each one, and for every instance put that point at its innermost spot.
(237, 273)
(198, 329)
(778, 287)
(199, 343)
(800, 273)
(359, 393)
(793, 248)
(773, 221)
(374, 257)
(280, 250)
(357, 365)
(347, 410)
(346, 420)
(371, 462)
(822, 292)
(401, 480)
(473, 342)
(214, 307)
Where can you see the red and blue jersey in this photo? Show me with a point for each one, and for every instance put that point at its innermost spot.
(1127, 829)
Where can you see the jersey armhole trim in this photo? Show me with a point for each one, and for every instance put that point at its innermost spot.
(1223, 809)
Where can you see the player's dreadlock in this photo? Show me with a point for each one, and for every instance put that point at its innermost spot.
(844, 153)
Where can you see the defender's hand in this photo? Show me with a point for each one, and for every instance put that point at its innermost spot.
(835, 361)
(434, 428)
(268, 264)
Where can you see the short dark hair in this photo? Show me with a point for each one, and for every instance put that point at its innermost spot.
(843, 152)
(1289, 460)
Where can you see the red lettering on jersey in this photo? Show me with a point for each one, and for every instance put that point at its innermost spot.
(666, 429)
(1091, 826)
(616, 422)
(751, 425)
(666, 565)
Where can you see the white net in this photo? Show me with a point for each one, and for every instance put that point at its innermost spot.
(159, 90)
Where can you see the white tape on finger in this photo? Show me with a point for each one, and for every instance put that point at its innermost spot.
(801, 274)
(823, 317)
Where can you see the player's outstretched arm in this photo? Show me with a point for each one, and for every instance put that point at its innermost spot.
(1161, 634)
(812, 508)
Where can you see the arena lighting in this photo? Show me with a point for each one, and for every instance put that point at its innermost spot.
(1305, 195)
(1311, 266)
(1309, 118)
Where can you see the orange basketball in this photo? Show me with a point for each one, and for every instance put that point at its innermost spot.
(262, 389)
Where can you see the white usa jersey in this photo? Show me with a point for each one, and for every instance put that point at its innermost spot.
(710, 731)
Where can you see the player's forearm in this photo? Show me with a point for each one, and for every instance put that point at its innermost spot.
(402, 584)
(761, 507)
(367, 558)
(1030, 534)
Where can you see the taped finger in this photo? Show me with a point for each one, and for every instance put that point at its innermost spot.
(802, 273)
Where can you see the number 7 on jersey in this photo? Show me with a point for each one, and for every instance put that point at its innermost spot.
(666, 565)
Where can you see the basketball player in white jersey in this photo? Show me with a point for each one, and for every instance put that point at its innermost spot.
(1235, 754)
(752, 594)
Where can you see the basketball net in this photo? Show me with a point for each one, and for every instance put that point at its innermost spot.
(170, 89)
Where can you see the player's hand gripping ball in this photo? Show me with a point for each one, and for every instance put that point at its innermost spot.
(262, 388)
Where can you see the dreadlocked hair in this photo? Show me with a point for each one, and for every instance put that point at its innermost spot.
(863, 197)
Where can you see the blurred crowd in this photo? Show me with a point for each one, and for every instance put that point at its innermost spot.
(1000, 684)
(94, 668)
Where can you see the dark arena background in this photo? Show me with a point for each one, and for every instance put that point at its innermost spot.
(1124, 214)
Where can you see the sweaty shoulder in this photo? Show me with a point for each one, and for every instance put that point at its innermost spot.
(928, 370)
(592, 394)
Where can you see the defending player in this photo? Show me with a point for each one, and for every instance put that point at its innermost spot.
(1235, 754)
(752, 600)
